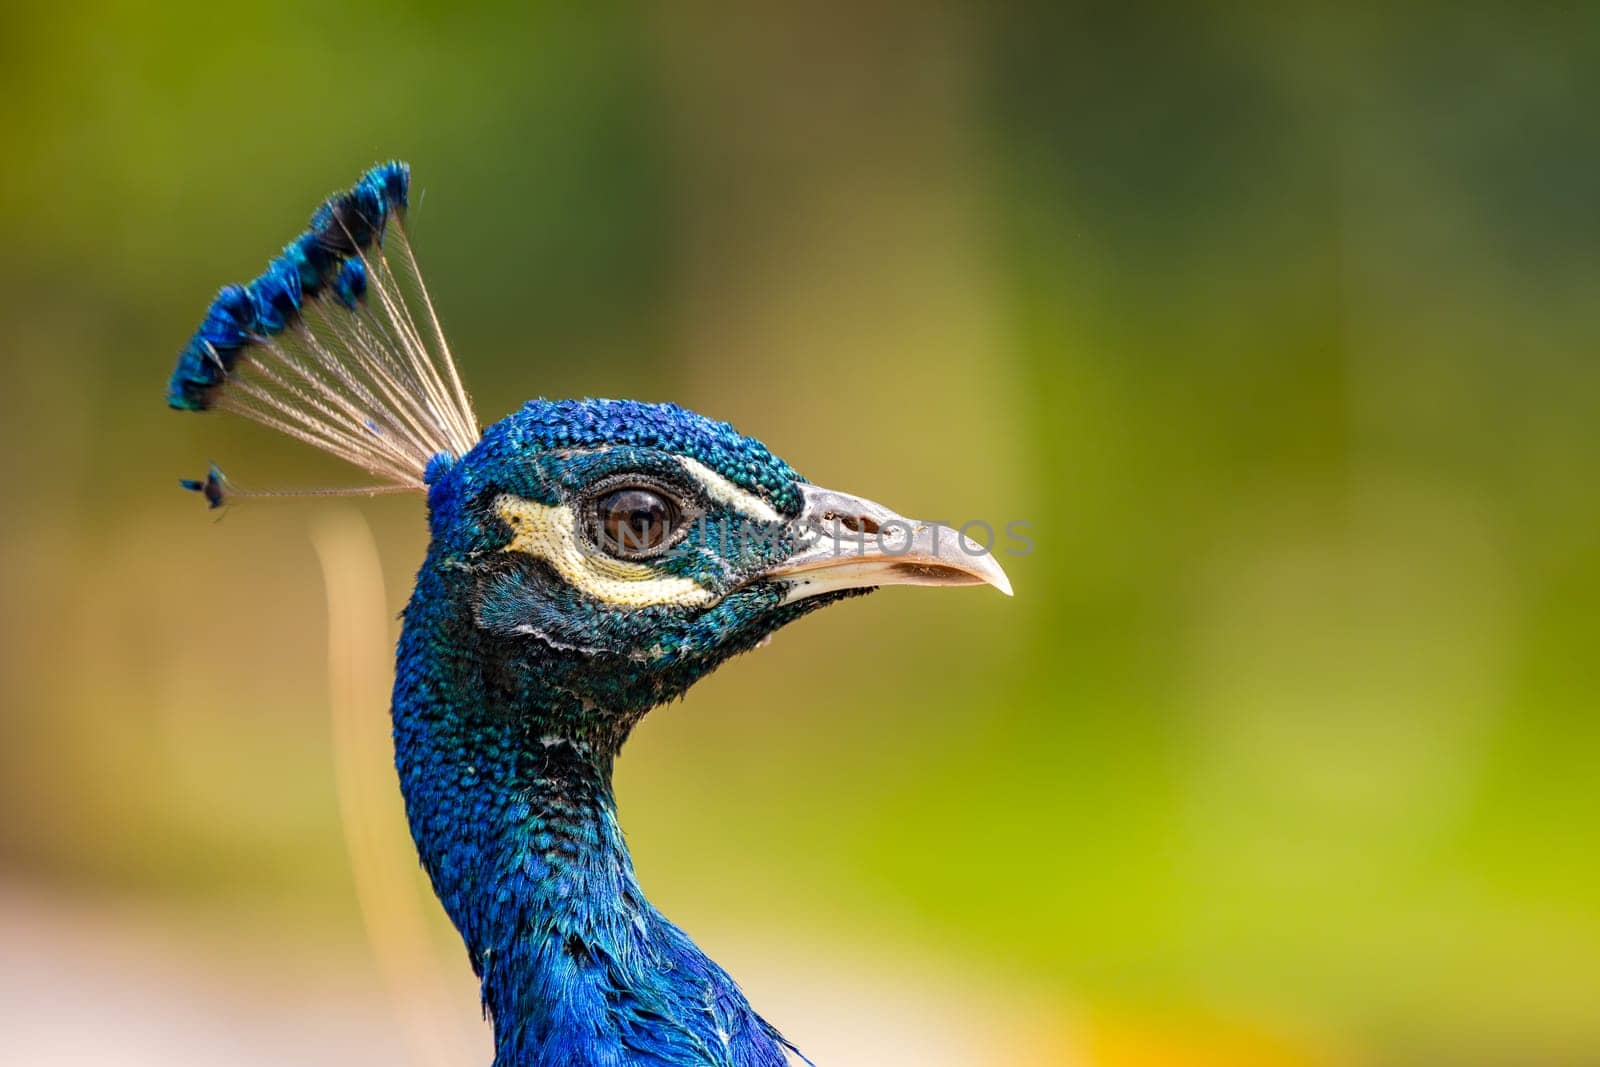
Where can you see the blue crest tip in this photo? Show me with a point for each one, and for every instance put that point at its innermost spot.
(350, 287)
(212, 487)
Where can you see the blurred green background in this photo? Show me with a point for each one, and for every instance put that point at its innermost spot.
(1278, 327)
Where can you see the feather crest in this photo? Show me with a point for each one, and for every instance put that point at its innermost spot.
(337, 344)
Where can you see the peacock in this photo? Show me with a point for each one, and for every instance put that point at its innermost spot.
(588, 561)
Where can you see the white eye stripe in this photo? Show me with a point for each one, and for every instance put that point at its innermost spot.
(725, 492)
(551, 534)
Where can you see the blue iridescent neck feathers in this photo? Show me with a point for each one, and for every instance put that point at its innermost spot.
(506, 774)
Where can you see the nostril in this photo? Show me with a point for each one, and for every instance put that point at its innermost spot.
(857, 524)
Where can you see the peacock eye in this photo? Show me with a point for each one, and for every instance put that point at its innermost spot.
(634, 521)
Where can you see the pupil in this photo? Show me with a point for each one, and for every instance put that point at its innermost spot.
(635, 520)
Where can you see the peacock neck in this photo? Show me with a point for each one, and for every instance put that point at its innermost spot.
(515, 822)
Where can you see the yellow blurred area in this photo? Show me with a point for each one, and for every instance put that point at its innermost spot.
(1158, 1042)
(1276, 328)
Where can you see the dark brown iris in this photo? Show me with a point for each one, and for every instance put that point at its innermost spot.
(635, 521)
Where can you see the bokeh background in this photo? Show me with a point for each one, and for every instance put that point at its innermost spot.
(1277, 327)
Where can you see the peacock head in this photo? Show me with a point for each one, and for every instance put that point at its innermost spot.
(596, 556)
(621, 550)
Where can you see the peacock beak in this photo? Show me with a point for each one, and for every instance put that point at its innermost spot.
(847, 542)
